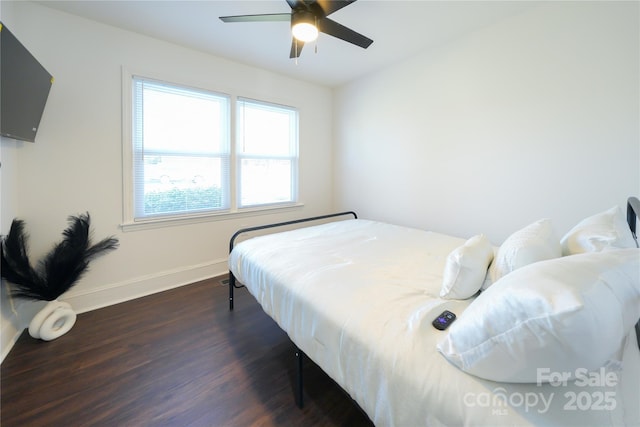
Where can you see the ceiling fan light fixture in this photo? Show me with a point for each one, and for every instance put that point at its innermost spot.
(303, 26)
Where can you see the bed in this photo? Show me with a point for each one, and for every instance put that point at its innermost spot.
(546, 330)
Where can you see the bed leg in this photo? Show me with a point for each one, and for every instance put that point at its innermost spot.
(232, 284)
(299, 363)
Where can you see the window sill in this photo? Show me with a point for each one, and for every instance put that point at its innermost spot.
(147, 224)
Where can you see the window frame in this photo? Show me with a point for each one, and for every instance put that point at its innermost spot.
(131, 223)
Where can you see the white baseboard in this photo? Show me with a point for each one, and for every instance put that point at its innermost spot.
(9, 336)
(83, 301)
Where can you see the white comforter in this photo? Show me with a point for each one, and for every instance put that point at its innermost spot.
(358, 297)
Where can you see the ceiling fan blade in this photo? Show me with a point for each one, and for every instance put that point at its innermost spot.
(296, 48)
(268, 17)
(293, 4)
(334, 29)
(328, 6)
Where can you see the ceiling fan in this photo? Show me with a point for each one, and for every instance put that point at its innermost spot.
(307, 18)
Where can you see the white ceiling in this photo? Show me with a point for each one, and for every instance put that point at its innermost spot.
(399, 29)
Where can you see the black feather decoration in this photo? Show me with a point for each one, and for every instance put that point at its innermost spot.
(60, 269)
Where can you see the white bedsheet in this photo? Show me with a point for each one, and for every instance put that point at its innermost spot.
(358, 297)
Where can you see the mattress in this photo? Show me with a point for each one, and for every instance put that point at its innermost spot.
(358, 297)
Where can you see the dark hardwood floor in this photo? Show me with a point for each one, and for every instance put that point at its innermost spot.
(176, 358)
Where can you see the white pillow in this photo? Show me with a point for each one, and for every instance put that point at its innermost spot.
(608, 229)
(466, 268)
(535, 242)
(561, 315)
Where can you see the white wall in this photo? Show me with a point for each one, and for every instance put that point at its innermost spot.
(75, 164)
(536, 116)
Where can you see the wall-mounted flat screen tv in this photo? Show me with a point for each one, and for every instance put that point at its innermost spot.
(24, 89)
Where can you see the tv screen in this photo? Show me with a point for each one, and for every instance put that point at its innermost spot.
(23, 91)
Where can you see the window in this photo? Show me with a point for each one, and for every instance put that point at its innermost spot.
(183, 159)
(180, 149)
(267, 153)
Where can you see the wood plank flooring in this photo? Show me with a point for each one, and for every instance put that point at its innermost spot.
(176, 358)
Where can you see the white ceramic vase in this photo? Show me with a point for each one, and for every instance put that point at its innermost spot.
(53, 321)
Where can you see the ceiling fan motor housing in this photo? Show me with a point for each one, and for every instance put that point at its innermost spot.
(303, 17)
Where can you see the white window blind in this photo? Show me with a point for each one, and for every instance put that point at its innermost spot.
(266, 153)
(181, 149)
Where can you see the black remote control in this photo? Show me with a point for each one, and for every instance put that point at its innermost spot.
(443, 321)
